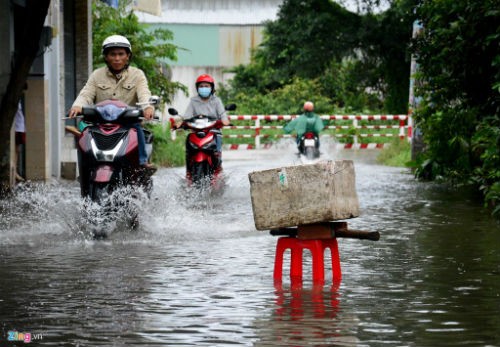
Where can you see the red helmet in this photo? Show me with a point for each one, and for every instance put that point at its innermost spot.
(205, 78)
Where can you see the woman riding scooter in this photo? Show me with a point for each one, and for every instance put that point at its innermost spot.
(207, 104)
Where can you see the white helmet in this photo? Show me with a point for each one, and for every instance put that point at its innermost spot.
(116, 41)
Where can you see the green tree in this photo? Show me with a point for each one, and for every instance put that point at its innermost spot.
(458, 53)
(149, 47)
(360, 61)
(385, 41)
(306, 37)
(285, 100)
(345, 83)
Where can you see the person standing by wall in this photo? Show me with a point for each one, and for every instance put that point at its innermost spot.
(20, 140)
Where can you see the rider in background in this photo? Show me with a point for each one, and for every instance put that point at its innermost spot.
(207, 104)
(306, 122)
(119, 81)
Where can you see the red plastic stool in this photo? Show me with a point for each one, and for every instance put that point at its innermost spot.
(317, 248)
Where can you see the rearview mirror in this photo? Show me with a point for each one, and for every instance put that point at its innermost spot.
(172, 112)
(154, 100)
(230, 107)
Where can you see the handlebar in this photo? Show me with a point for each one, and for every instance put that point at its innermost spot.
(113, 110)
(190, 124)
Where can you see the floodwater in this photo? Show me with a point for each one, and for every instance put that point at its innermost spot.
(197, 273)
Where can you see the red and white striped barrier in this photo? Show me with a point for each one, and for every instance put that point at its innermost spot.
(246, 147)
(275, 117)
(363, 145)
(404, 125)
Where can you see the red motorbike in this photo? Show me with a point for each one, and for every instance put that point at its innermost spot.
(108, 152)
(309, 146)
(203, 161)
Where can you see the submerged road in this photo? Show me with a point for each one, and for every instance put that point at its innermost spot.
(197, 273)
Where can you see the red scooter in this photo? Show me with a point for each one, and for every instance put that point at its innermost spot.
(203, 161)
(309, 146)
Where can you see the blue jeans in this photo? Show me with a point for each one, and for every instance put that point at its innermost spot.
(218, 142)
(143, 156)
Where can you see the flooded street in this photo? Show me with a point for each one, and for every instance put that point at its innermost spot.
(197, 273)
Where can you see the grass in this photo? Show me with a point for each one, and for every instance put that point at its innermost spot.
(168, 152)
(398, 153)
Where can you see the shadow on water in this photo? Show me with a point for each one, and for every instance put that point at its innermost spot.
(196, 272)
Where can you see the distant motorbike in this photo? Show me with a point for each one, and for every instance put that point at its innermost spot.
(203, 162)
(108, 152)
(309, 145)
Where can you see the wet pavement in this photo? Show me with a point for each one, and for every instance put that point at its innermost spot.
(197, 273)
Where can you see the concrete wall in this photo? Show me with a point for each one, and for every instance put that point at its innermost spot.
(212, 49)
(83, 41)
(6, 50)
(213, 45)
(37, 130)
(6, 43)
(83, 67)
(235, 12)
(237, 42)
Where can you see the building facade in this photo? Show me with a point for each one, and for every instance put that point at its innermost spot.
(60, 69)
(212, 35)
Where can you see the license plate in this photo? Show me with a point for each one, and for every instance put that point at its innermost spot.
(309, 142)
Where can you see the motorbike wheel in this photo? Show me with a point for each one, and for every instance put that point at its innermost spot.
(309, 152)
(200, 175)
(99, 192)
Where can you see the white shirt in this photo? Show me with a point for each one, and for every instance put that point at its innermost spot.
(19, 120)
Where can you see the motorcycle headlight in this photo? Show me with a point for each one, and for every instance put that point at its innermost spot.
(210, 146)
(105, 155)
(191, 145)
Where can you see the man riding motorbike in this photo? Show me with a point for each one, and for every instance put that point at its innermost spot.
(306, 122)
(117, 80)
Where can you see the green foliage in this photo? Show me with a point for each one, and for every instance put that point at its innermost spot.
(385, 39)
(486, 143)
(167, 152)
(459, 86)
(288, 99)
(307, 36)
(148, 47)
(345, 83)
